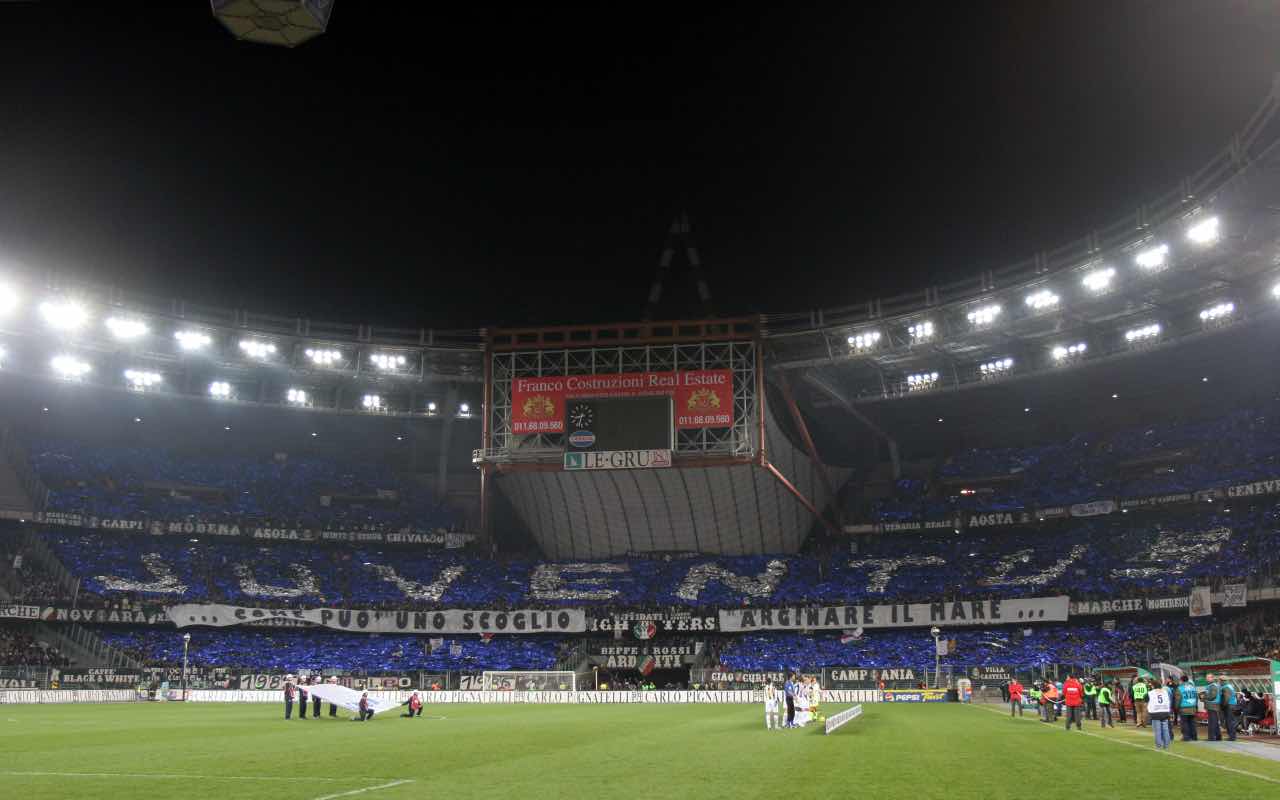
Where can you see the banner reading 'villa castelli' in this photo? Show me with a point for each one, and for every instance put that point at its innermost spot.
(703, 398)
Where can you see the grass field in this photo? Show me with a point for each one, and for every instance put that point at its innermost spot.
(567, 752)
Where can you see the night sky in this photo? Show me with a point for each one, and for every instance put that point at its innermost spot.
(480, 166)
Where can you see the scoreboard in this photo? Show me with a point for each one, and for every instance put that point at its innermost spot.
(618, 432)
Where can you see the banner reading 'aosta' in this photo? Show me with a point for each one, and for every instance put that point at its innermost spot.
(703, 398)
(564, 620)
(898, 615)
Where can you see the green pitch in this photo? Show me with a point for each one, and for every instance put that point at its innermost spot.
(228, 752)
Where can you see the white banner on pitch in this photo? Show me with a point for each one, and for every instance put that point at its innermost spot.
(348, 698)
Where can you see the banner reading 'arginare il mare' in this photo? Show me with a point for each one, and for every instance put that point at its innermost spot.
(898, 615)
(523, 621)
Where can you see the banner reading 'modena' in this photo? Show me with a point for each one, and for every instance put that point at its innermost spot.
(521, 621)
(703, 398)
(898, 615)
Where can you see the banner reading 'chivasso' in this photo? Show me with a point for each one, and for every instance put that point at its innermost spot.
(703, 398)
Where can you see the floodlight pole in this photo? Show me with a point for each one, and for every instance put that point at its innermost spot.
(937, 658)
(186, 643)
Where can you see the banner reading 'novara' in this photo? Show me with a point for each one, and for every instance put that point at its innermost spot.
(898, 615)
(524, 621)
(703, 398)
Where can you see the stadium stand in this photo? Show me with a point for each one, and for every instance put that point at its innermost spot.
(153, 483)
(1047, 645)
(19, 647)
(291, 649)
(1153, 459)
(1084, 558)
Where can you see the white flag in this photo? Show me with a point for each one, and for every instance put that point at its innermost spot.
(1201, 603)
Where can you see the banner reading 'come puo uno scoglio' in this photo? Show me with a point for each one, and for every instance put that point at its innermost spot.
(703, 398)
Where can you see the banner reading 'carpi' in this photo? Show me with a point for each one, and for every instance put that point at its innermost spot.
(703, 398)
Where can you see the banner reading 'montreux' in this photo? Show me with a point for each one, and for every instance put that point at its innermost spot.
(703, 398)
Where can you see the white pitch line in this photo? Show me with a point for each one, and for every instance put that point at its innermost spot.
(1151, 749)
(171, 776)
(366, 789)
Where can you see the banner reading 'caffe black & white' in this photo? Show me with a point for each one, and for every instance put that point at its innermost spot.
(524, 621)
(898, 615)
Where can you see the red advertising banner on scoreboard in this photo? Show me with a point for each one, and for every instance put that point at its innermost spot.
(703, 398)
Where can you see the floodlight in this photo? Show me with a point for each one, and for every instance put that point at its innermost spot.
(220, 389)
(8, 299)
(464, 409)
(984, 315)
(1144, 333)
(996, 367)
(126, 328)
(372, 402)
(1220, 311)
(1152, 258)
(1099, 279)
(1042, 299)
(192, 340)
(70, 367)
(1204, 232)
(141, 379)
(921, 380)
(388, 361)
(864, 341)
(324, 358)
(64, 315)
(1275, 291)
(254, 348)
(1069, 351)
(921, 331)
(297, 396)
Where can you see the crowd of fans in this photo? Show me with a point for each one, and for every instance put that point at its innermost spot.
(292, 649)
(286, 491)
(19, 648)
(1021, 649)
(1124, 555)
(1157, 459)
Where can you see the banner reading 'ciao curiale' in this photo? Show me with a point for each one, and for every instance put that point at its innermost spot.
(522, 621)
(703, 398)
(898, 615)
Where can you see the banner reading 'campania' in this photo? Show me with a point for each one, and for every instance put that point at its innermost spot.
(703, 398)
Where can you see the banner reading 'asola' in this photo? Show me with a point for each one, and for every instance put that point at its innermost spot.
(523, 621)
(703, 398)
(898, 615)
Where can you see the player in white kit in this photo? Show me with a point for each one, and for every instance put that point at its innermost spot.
(772, 701)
